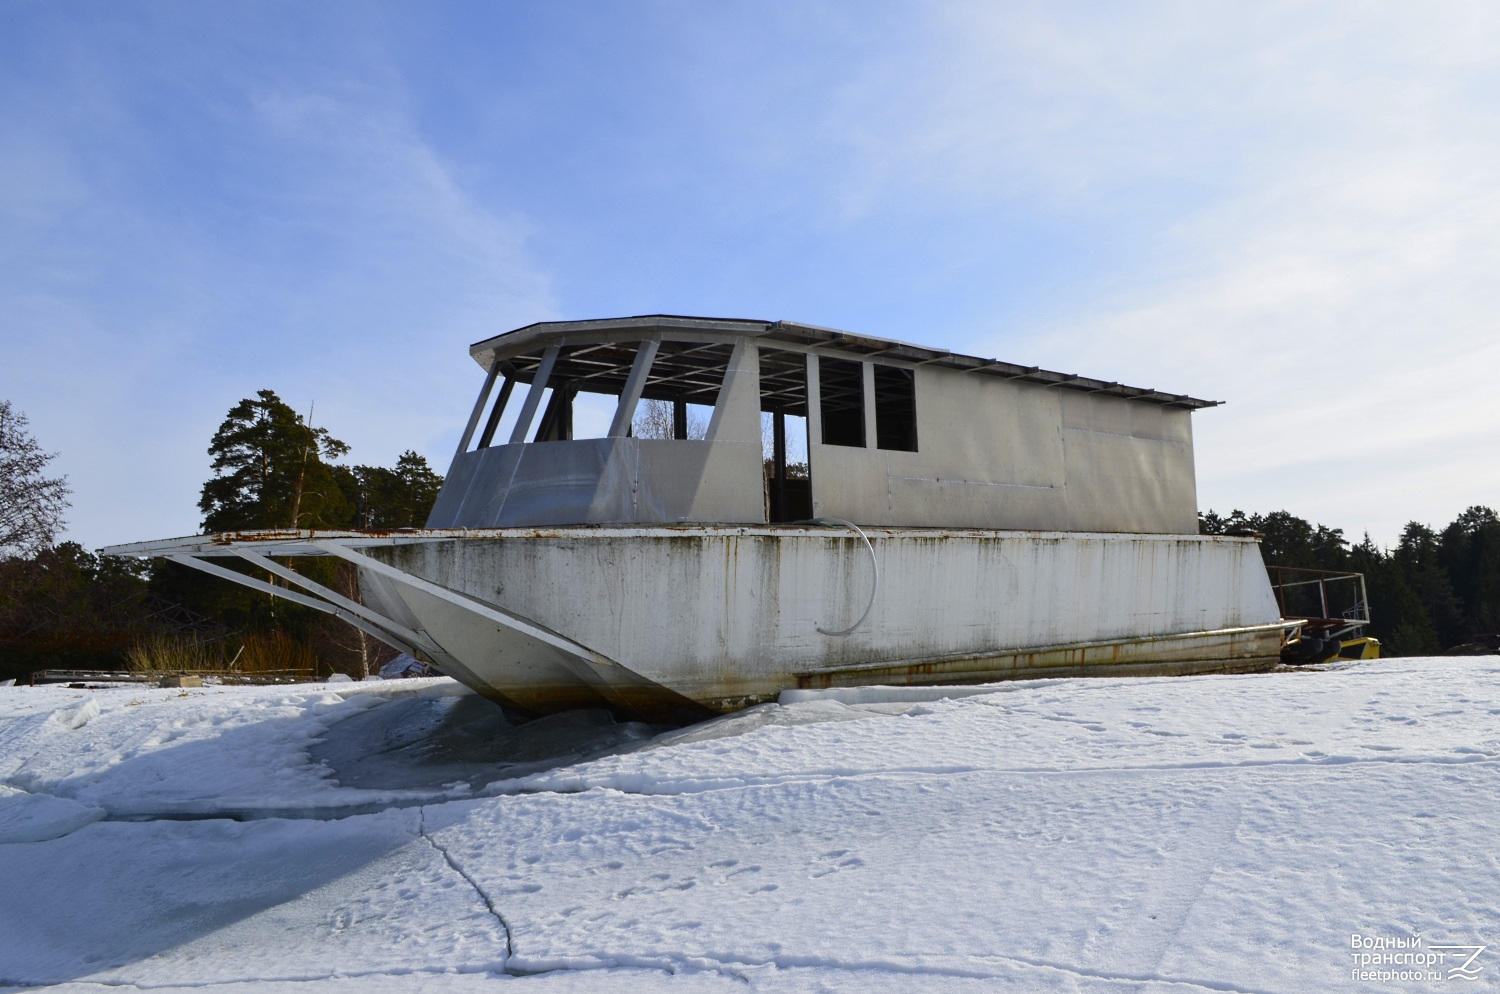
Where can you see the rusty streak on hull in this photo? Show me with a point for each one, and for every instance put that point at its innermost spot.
(1241, 650)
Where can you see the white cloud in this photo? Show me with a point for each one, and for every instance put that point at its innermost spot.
(1349, 317)
(1324, 249)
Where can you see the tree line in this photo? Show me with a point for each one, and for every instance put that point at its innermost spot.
(63, 607)
(1438, 588)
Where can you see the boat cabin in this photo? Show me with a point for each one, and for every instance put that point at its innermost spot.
(666, 420)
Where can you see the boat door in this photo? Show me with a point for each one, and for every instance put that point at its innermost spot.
(783, 419)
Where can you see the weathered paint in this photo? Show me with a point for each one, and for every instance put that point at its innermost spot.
(661, 621)
(1002, 454)
(729, 616)
(1233, 650)
(999, 446)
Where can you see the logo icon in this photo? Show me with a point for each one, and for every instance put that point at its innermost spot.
(1465, 970)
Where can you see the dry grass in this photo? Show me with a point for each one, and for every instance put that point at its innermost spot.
(172, 654)
(260, 654)
(276, 652)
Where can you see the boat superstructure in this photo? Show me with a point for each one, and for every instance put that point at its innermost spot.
(666, 514)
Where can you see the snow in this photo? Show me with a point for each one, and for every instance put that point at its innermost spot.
(28, 817)
(1226, 833)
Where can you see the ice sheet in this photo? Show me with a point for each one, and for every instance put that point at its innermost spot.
(1206, 833)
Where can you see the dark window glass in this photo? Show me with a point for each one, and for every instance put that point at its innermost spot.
(895, 408)
(842, 386)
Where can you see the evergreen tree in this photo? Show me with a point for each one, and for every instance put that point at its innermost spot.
(69, 608)
(1469, 553)
(1417, 555)
(62, 606)
(1435, 590)
(395, 498)
(1398, 618)
(269, 471)
(1286, 540)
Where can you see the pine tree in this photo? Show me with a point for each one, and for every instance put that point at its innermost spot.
(1469, 552)
(269, 471)
(396, 498)
(1418, 556)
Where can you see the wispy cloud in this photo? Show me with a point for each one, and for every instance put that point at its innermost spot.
(1301, 203)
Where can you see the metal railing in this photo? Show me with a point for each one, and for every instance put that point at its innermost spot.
(1332, 603)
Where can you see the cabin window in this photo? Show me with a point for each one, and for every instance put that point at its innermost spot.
(783, 427)
(496, 404)
(895, 408)
(671, 419)
(841, 384)
(582, 391)
(681, 390)
(566, 412)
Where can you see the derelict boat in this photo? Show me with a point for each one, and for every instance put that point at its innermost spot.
(668, 515)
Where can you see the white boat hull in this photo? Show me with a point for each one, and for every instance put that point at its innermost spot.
(682, 618)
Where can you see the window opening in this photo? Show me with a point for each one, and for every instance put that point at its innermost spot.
(783, 421)
(572, 414)
(497, 410)
(676, 419)
(592, 413)
(841, 384)
(895, 408)
(678, 399)
(582, 393)
(594, 375)
(557, 417)
(544, 409)
(591, 377)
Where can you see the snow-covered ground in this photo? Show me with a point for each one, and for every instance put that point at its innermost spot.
(1225, 833)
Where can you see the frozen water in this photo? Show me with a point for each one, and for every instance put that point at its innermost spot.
(1223, 833)
(430, 740)
(38, 817)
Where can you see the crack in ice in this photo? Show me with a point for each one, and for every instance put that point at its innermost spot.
(453, 865)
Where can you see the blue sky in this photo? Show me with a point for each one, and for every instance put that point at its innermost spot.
(1290, 207)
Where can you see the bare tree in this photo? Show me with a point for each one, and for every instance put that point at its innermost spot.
(653, 419)
(31, 506)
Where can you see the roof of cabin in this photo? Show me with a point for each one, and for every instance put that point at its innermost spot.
(607, 364)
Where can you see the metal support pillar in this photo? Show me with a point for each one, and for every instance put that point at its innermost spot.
(497, 412)
(484, 395)
(534, 395)
(630, 396)
(410, 646)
